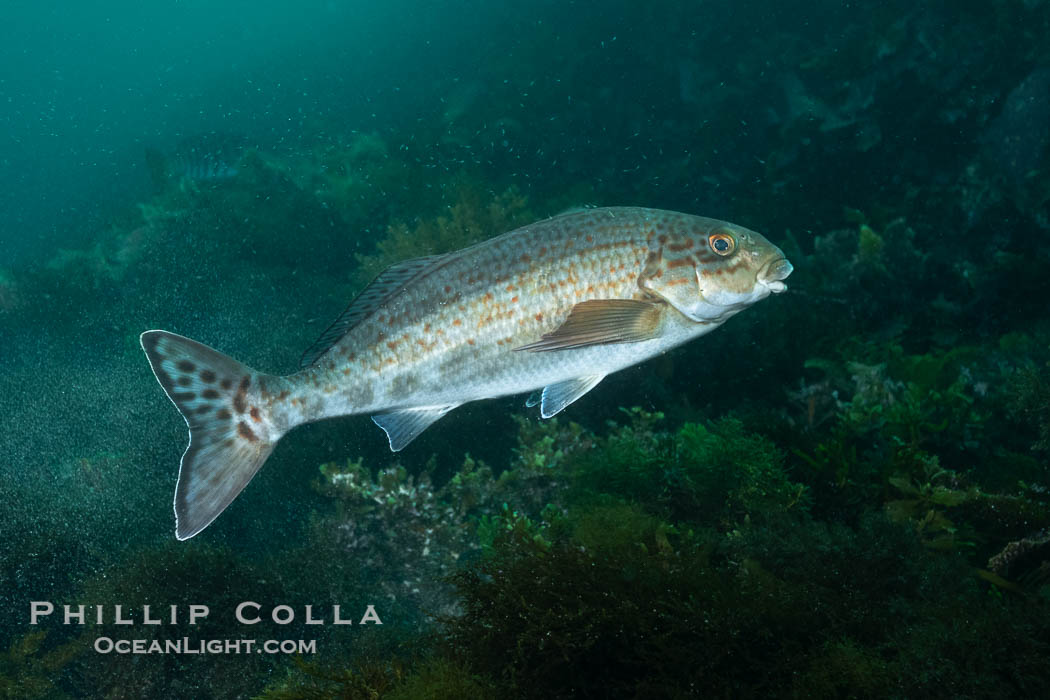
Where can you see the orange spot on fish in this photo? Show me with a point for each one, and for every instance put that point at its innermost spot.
(509, 288)
(679, 262)
(448, 289)
(684, 245)
(589, 238)
(457, 322)
(525, 258)
(239, 398)
(542, 251)
(539, 317)
(254, 413)
(245, 432)
(514, 300)
(392, 344)
(470, 341)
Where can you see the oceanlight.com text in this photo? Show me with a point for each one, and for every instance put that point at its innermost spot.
(185, 645)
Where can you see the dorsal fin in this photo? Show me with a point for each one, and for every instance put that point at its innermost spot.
(389, 282)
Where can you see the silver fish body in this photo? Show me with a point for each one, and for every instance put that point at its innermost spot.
(556, 305)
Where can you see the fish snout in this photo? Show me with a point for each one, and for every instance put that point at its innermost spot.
(772, 276)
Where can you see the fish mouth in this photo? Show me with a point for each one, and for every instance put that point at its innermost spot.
(772, 276)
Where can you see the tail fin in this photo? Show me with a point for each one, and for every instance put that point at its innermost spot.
(230, 437)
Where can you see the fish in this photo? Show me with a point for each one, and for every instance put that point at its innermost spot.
(554, 307)
(207, 158)
(202, 166)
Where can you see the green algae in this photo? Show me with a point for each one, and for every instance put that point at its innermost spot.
(717, 474)
(31, 669)
(472, 217)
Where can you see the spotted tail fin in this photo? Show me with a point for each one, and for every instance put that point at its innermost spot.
(231, 432)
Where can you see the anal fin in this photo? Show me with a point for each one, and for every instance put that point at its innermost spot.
(601, 321)
(404, 426)
(557, 396)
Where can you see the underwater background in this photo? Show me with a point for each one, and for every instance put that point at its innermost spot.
(842, 493)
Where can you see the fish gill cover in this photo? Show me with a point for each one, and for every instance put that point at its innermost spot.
(843, 492)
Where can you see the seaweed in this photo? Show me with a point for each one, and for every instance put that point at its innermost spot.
(717, 474)
(617, 602)
(564, 618)
(367, 680)
(176, 575)
(429, 678)
(473, 216)
(415, 532)
(31, 670)
(1030, 389)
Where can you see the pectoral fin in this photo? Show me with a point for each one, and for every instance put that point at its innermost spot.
(601, 321)
(404, 426)
(557, 396)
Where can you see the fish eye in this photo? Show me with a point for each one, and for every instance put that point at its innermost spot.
(722, 243)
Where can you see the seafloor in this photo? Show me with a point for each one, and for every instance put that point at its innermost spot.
(844, 492)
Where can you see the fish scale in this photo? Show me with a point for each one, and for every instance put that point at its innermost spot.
(557, 305)
(445, 332)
